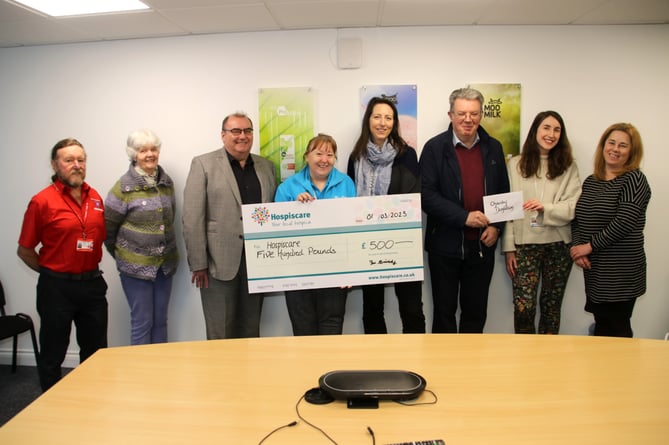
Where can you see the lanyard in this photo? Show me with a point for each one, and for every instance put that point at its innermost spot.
(543, 185)
(543, 189)
(82, 221)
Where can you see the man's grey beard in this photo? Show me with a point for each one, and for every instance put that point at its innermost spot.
(69, 181)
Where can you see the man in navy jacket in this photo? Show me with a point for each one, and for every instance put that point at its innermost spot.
(459, 167)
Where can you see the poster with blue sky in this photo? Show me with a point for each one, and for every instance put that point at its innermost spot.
(405, 98)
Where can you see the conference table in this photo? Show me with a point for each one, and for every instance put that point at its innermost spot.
(489, 389)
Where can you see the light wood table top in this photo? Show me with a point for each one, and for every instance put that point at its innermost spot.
(492, 389)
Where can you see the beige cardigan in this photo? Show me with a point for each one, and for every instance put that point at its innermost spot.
(559, 198)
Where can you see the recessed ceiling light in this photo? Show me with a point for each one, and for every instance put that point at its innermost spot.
(60, 8)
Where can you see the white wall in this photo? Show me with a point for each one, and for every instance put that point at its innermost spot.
(182, 88)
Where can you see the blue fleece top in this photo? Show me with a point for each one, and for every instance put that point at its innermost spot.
(338, 185)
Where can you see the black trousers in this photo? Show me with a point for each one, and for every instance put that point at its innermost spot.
(464, 281)
(612, 319)
(317, 311)
(410, 302)
(61, 302)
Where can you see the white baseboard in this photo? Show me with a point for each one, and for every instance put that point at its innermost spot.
(26, 357)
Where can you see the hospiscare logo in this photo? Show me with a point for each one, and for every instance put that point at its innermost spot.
(261, 216)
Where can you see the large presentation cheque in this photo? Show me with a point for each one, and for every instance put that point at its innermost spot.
(333, 242)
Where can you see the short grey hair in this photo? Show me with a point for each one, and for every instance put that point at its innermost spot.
(138, 139)
(467, 94)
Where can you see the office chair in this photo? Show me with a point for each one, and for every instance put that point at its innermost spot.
(13, 325)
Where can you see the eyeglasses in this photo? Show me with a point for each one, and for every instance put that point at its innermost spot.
(463, 115)
(238, 131)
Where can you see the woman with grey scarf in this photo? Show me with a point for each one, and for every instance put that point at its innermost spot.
(382, 163)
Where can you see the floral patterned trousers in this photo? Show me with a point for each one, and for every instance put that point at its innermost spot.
(548, 265)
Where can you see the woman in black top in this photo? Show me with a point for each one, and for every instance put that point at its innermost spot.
(382, 163)
(607, 233)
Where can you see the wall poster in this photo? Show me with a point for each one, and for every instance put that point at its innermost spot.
(286, 126)
(501, 114)
(405, 98)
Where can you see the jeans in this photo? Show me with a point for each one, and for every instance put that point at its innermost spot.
(148, 302)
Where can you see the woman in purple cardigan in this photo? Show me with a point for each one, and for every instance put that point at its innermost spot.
(139, 214)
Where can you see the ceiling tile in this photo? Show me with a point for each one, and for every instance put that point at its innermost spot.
(124, 26)
(536, 12)
(20, 26)
(428, 13)
(11, 13)
(46, 32)
(180, 4)
(628, 12)
(245, 17)
(325, 14)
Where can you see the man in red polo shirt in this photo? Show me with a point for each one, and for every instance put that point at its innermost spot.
(67, 219)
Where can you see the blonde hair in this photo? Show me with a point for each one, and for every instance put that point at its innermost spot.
(636, 150)
(318, 140)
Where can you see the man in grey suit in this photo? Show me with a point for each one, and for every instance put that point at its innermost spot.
(218, 184)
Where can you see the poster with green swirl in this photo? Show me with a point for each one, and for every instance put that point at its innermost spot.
(286, 121)
(501, 114)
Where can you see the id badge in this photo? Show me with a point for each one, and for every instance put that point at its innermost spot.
(534, 220)
(84, 245)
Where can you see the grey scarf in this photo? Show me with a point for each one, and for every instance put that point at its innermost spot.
(372, 172)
